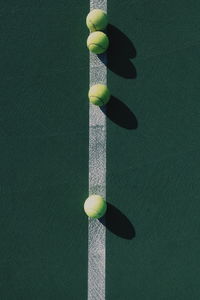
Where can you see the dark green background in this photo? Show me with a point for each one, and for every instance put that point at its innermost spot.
(44, 150)
(152, 171)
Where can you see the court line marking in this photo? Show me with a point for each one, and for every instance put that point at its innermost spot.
(97, 176)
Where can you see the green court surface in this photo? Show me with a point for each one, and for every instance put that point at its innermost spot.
(44, 150)
(153, 170)
(153, 161)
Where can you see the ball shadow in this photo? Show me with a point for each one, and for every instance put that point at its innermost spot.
(119, 113)
(116, 222)
(119, 54)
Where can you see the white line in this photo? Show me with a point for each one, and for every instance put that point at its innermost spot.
(97, 177)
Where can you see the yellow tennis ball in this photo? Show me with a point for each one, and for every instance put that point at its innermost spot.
(97, 42)
(96, 20)
(95, 206)
(99, 94)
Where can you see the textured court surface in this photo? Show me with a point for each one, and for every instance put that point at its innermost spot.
(153, 162)
(44, 150)
(153, 170)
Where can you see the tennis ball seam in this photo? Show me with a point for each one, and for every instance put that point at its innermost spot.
(97, 45)
(98, 98)
(92, 24)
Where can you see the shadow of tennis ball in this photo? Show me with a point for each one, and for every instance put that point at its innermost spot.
(120, 53)
(119, 113)
(116, 222)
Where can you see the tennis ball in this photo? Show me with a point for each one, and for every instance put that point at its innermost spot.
(99, 94)
(97, 42)
(96, 20)
(95, 206)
